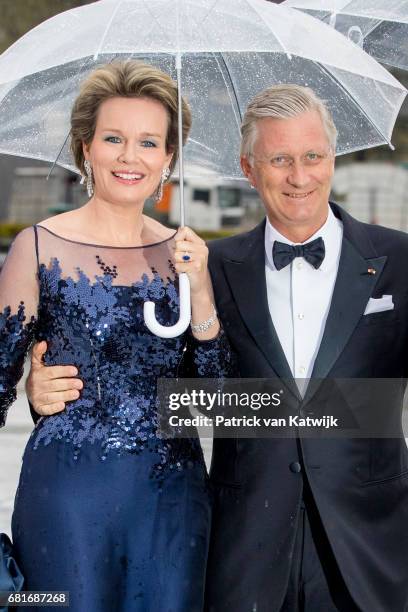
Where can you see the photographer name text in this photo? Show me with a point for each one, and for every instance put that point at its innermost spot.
(324, 422)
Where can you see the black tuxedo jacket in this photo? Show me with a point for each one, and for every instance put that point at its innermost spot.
(360, 485)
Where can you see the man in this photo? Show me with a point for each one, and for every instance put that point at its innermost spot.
(307, 524)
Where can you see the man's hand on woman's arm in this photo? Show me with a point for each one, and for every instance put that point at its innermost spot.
(49, 387)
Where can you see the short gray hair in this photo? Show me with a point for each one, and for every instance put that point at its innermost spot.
(282, 102)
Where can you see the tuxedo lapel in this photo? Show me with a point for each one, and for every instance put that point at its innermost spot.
(356, 278)
(246, 276)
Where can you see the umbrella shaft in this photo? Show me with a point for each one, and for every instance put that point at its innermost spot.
(180, 140)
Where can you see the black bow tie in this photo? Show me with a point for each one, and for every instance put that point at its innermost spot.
(283, 254)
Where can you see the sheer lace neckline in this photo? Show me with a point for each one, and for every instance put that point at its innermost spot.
(107, 246)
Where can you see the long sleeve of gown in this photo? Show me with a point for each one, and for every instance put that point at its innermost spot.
(18, 314)
(211, 358)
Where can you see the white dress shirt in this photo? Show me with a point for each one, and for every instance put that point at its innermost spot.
(299, 296)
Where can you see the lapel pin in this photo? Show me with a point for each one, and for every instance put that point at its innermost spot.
(371, 271)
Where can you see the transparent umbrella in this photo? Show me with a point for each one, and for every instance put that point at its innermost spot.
(222, 53)
(380, 27)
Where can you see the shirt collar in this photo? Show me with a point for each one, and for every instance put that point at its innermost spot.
(331, 232)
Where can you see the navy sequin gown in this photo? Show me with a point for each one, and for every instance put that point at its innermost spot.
(105, 509)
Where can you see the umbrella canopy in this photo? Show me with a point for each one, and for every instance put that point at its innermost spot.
(379, 26)
(223, 53)
(228, 51)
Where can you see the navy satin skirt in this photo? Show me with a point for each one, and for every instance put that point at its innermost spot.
(109, 533)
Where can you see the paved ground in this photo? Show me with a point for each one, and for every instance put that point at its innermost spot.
(13, 439)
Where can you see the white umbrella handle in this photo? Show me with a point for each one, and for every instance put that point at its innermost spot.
(171, 331)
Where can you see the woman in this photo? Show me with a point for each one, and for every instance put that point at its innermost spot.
(105, 509)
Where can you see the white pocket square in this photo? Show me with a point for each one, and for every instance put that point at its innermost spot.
(379, 304)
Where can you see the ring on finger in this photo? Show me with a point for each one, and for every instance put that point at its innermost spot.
(186, 256)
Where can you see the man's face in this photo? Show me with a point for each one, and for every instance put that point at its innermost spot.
(292, 167)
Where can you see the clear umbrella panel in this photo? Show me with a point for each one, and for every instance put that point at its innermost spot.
(228, 52)
(380, 27)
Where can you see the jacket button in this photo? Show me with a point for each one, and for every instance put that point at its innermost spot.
(295, 467)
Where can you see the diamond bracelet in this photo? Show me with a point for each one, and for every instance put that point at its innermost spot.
(200, 328)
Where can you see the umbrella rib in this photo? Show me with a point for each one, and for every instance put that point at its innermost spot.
(84, 63)
(208, 12)
(377, 129)
(347, 10)
(289, 55)
(198, 25)
(232, 85)
(108, 25)
(81, 67)
(154, 17)
(58, 156)
(203, 146)
(378, 23)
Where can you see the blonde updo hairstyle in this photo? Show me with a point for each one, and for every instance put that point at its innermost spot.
(125, 79)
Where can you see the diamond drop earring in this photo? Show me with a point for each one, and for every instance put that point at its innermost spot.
(159, 192)
(89, 183)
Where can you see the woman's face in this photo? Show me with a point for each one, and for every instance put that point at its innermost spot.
(128, 150)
